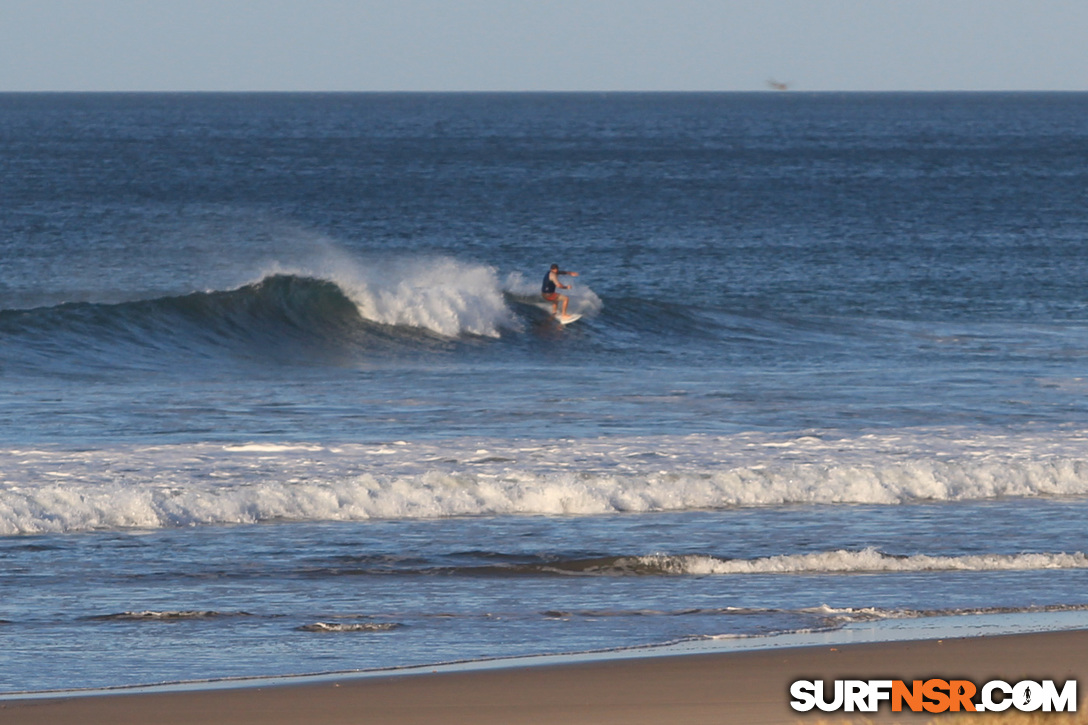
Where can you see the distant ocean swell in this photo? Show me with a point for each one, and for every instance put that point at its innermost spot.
(44, 490)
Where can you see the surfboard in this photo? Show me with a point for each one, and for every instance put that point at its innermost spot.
(566, 320)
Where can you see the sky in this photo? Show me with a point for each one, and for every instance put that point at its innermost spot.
(543, 45)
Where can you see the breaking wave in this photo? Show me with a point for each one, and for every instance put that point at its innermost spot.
(287, 314)
(47, 490)
(828, 562)
(166, 616)
(350, 627)
(840, 561)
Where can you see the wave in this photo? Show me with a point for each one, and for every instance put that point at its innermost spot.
(272, 317)
(342, 309)
(172, 499)
(54, 490)
(350, 627)
(165, 616)
(288, 313)
(840, 561)
(866, 561)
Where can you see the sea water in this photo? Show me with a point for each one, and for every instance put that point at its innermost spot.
(278, 393)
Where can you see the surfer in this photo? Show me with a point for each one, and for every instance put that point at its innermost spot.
(548, 289)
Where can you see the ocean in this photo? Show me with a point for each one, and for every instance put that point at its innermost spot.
(279, 395)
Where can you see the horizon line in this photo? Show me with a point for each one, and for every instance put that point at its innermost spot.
(761, 91)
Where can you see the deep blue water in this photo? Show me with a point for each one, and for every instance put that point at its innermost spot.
(274, 371)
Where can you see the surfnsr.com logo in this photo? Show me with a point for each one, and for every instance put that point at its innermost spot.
(934, 695)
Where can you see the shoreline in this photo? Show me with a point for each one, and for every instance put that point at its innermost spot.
(749, 686)
(882, 631)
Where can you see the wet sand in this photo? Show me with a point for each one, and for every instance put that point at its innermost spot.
(748, 687)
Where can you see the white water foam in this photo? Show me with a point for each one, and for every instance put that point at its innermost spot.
(851, 562)
(160, 616)
(350, 627)
(52, 490)
(443, 295)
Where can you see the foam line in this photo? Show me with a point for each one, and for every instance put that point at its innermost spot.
(849, 562)
(116, 487)
(440, 294)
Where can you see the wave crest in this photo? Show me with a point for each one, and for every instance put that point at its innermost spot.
(166, 616)
(867, 560)
(443, 296)
(288, 314)
(350, 627)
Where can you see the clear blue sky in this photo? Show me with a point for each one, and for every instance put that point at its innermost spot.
(454, 45)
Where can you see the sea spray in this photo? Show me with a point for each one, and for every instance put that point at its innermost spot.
(446, 296)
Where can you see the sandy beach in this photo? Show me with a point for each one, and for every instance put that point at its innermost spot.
(740, 687)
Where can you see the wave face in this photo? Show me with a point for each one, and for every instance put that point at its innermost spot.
(255, 318)
(284, 316)
(343, 311)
